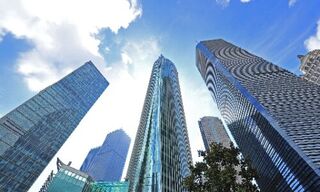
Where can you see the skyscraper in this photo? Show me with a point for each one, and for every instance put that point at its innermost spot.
(161, 153)
(212, 131)
(31, 134)
(105, 163)
(272, 114)
(310, 66)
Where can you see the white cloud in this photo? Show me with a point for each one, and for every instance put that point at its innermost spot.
(62, 32)
(313, 42)
(292, 2)
(245, 1)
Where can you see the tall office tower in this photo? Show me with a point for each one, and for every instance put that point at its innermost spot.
(310, 66)
(212, 131)
(31, 134)
(272, 114)
(161, 153)
(105, 163)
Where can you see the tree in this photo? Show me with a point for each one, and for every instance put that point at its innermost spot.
(223, 171)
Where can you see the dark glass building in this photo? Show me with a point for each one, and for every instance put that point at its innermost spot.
(31, 134)
(105, 163)
(161, 153)
(272, 114)
(213, 131)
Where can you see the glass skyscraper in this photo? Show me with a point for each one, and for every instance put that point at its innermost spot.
(105, 163)
(161, 153)
(31, 134)
(272, 114)
(212, 131)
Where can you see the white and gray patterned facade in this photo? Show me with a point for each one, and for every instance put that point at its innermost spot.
(310, 66)
(161, 153)
(272, 114)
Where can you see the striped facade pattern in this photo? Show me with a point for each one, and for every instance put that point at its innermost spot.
(161, 153)
(31, 134)
(272, 114)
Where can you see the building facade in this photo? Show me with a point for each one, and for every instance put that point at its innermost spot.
(105, 163)
(213, 131)
(119, 186)
(69, 179)
(310, 66)
(161, 153)
(272, 114)
(32, 133)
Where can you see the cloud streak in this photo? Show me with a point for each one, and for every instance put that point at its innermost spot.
(223, 3)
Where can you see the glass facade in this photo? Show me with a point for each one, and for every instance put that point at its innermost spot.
(110, 186)
(31, 134)
(161, 153)
(68, 179)
(213, 131)
(105, 163)
(271, 113)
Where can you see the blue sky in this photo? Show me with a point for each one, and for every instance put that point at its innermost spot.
(44, 40)
(271, 29)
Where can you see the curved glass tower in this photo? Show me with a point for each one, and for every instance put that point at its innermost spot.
(161, 153)
(272, 114)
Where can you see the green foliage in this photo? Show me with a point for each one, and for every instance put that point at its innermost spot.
(219, 171)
